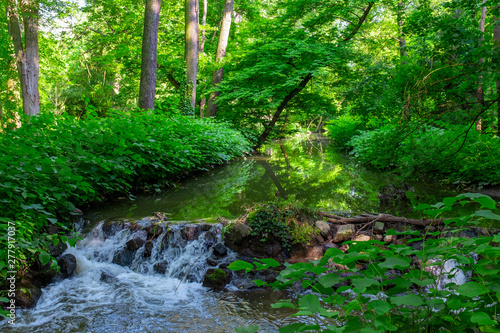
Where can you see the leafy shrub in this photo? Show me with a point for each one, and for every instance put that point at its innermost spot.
(379, 288)
(425, 149)
(288, 221)
(53, 163)
(343, 128)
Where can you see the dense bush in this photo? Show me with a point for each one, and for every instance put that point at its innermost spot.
(447, 151)
(342, 129)
(374, 287)
(53, 163)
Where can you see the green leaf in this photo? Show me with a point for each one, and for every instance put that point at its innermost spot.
(380, 307)
(364, 282)
(393, 262)
(44, 258)
(330, 280)
(310, 302)
(292, 328)
(409, 299)
(482, 319)
(269, 262)
(471, 289)
(4, 299)
(238, 265)
(486, 202)
(247, 329)
(283, 304)
(487, 214)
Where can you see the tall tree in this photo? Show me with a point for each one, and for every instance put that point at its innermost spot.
(221, 52)
(26, 53)
(479, 91)
(191, 49)
(202, 47)
(149, 48)
(496, 38)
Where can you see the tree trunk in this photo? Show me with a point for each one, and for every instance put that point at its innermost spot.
(496, 38)
(402, 40)
(191, 49)
(479, 91)
(149, 47)
(202, 49)
(26, 55)
(263, 137)
(221, 52)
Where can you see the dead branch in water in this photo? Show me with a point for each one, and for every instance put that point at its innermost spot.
(381, 218)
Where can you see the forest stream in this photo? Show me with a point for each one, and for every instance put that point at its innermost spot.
(105, 297)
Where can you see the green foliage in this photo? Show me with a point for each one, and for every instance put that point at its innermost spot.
(53, 163)
(455, 152)
(285, 220)
(390, 288)
(343, 128)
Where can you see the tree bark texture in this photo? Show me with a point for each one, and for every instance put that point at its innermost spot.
(402, 40)
(27, 58)
(263, 137)
(191, 48)
(496, 38)
(479, 91)
(221, 52)
(148, 57)
(202, 49)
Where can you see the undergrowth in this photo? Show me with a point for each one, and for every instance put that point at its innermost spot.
(54, 163)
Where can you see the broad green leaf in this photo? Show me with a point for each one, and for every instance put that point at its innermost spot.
(330, 280)
(380, 307)
(238, 265)
(310, 302)
(292, 328)
(283, 304)
(247, 329)
(409, 299)
(364, 282)
(393, 262)
(482, 319)
(44, 258)
(487, 214)
(471, 289)
(269, 262)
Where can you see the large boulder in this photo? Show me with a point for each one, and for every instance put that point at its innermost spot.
(344, 232)
(216, 278)
(323, 227)
(124, 257)
(67, 264)
(237, 235)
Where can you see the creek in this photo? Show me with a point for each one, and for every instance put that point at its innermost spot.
(105, 297)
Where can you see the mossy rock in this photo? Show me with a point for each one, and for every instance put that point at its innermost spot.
(216, 278)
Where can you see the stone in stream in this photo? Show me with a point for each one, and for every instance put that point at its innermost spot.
(323, 227)
(148, 248)
(154, 231)
(344, 232)
(124, 257)
(27, 294)
(160, 267)
(361, 238)
(378, 227)
(216, 278)
(190, 232)
(109, 228)
(134, 244)
(67, 264)
(220, 250)
(210, 238)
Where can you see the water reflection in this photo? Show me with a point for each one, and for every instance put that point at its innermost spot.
(309, 170)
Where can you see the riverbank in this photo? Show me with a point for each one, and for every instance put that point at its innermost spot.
(53, 164)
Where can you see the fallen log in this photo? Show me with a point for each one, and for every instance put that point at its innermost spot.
(381, 218)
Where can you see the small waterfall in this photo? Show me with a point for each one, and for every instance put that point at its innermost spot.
(154, 288)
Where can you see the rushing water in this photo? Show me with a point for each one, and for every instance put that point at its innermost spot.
(106, 297)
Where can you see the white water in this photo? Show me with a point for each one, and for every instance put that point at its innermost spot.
(137, 299)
